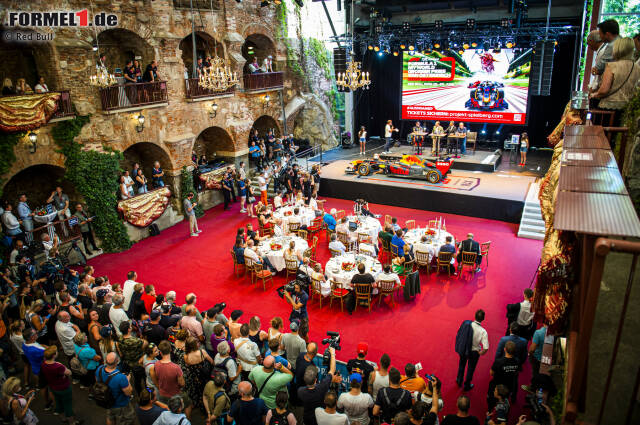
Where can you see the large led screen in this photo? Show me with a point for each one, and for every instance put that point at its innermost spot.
(474, 85)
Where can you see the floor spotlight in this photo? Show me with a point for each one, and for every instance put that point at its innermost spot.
(299, 3)
(264, 3)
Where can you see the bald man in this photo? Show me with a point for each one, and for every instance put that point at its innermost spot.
(122, 411)
(66, 331)
(269, 379)
(469, 245)
(247, 410)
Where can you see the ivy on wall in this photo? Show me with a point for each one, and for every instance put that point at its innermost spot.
(587, 29)
(186, 186)
(95, 176)
(8, 142)
(320, 55)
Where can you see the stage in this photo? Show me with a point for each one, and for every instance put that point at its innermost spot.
(495, 196)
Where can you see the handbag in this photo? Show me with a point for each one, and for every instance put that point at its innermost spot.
(76, 365)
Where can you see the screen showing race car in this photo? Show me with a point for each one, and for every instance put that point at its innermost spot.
(474, 85)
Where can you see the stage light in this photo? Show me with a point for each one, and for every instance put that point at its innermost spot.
(436, 45)
(395, 53)
(403, 46)
(509, 44)
(474, 44)
(438, 24)
(370, 47)
(376, 48)
(471, 24)
(483, 131)
(277, 1)
(406, 26)
(505, 23)
(465, 46)
(411, 47)
(380, 53)
(460, 52)
(497, 131)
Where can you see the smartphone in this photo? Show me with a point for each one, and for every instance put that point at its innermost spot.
(48, 316)
(418, 367)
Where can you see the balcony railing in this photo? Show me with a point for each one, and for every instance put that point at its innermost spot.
(65, 108)
(197, 4)
(124, 96)
(194, 91)
(263, 81)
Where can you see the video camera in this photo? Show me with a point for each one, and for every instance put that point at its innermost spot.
(333, 341)
(534, 401)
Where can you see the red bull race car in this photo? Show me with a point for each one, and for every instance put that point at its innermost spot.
(410, 166)
(486, 95)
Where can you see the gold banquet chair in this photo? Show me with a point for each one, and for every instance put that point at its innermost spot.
(468, 259)
(444, 260)
(410, 224)
(386, 288)
(236, 266)
(422, 260)
(362, 293)
(338, 293)
(292, 267)
(484, 250)
(316, 289)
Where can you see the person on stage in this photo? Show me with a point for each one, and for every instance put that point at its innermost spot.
(418, 137)
(449, 131)
(462, 131)
(362, 136)
(388, 131)
(524, 147)
(437, 129)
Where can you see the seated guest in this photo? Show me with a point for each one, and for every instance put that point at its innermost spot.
(290, 252)
(361, 277)
(400, 243)
(277, 201)
(7, 87)
(238, 250)
(395, 226)
(449, 247)
(386, 234)
(330, 220)
(252, 254)
(364, 208)
(343, 226)
(325, 285)
(469, 245)
(388, 275)
(277, 227)
(296, 219)
(422, 245)
(336, 245)
(397, 265)
(313, 202)
(22, 87)
(252, 234)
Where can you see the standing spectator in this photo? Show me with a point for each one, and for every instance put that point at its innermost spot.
(141, 182)
(176, 413)
(355, 403)
(411, 381)
(215, 399)
(191, 324)
(57, 377)
(189, 210)
(26, 217)
(117, 314)
(131, 348)
(129, 73)
(208, 325)
(148, 298)
(380, 378)
(361, 366)
(41, 87)
(11, 225)
(169, 378)
(242, 193)
(7, 87)
(122, 410)
(19, 405)
(461, 131)
(504, 371)
(499, 413)
(521, 344)
(153, 331)
(329, 415)
(310, 392)
(84, 221)
(149, 408)
(128, 181)
(247, 351)
(479, 346)
(462, 416)
(535, 354)
(128, 288)
(33, 351)
(157, 175)
(224, 362)
(281, 415)
(61, 202)
(608, 31)
(66, 331)
(151, 73)
(269, 379)
(227, 185)
(88, 357)
(197, 365)
(137, 70)
(392, 399)
(293, 344)
(254, 155)
(526, 324)
(247, 410)
(263, 182)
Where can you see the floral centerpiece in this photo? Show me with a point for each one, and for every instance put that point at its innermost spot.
(275, 246)
(347, 266)
(430, 232)
(287, 213)
(41, 212)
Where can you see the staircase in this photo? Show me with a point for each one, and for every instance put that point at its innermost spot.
(531, 223)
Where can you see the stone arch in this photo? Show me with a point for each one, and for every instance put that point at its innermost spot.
(308, 117)
(257, 45)
(38, 181)
(250, 29)
(215, 142)
(120, 45)
(29, 60)
(206, 45)
(265, 123)
(145, 154)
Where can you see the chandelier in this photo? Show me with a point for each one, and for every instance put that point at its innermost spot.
(218, 76)
(353, 78)
(102, 78)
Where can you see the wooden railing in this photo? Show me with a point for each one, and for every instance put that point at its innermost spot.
(124, 96)
(263, 80)
(194, 91)
(65, 108)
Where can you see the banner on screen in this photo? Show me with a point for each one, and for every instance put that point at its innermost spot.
(474, 85)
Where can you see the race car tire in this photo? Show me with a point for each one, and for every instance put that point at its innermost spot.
(500, 94)
(433, 176)
(364, 169)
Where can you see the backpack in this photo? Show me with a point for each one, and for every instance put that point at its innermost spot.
(222, 369)
(102, 394)
(464, 338)
(279, 419)
(76, 365)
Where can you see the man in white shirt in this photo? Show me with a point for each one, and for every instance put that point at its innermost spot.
(267, 64)
(329, 415)
(525, 316)
(251, 253)
(116, 313)
(388, 131)
(277, 201)
(128, 181)
(479, 347)
(41, 87)
(595, 43)
(422, 245)
(388, 275)
(128, 288)
(49, 244)
(336, 245)
(242, 173)
(263, 182)
(10, 222)
(247, 351)
(66, 331)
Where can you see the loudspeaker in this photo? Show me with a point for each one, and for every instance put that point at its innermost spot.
(154, 230)
(340, 63)
(542, 68)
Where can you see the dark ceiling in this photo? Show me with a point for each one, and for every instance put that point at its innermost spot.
(407, 6)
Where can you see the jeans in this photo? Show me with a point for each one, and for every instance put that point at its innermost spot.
(267, 263)
(463, 146)
(142, 189)
(472, 360)
(387, 144)
(158, 183)
(87, 238)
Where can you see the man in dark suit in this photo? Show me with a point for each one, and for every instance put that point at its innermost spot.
(469, 245)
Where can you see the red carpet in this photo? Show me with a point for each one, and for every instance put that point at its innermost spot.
(419, 331)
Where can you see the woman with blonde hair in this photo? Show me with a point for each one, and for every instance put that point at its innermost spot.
(275, 330)
(619, 79)
(256, 334)
(18, 403)
(7, 87)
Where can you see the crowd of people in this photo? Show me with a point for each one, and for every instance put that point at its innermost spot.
(22, 87)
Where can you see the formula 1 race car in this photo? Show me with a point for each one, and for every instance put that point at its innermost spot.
(486, 95)
(410, 166)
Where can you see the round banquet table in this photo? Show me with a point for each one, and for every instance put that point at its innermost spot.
(432, 246)
(306, 216)
(48, 220)
(334, 271)
(368, 225)
(277, 257)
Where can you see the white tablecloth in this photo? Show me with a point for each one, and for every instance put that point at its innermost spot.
(277, 257)
(334, 271)
(433, 245)
(306, 216)
(368, 225)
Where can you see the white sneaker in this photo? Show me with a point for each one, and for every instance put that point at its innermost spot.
(243, 211)
(199, 231)
(194, 234)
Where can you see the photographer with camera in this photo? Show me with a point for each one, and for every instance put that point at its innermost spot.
(311, 395)
(298, 300)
